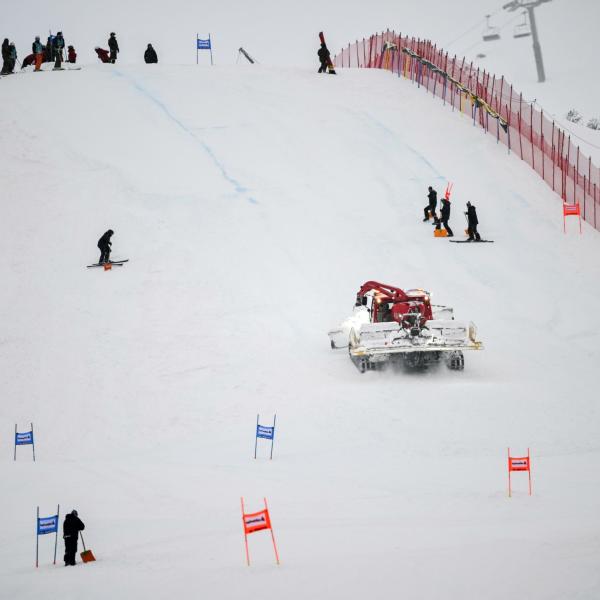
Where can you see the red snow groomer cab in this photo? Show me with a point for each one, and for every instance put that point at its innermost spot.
(390, 325)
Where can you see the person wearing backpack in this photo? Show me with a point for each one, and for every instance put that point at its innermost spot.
(58, 45)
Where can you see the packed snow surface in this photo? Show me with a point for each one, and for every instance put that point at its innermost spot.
(252, 203)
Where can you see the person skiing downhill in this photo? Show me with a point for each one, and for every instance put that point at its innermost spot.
(472, 223)
(71, 528)
(324, 58)
(105, 244)
(429, 210)
(113, 46)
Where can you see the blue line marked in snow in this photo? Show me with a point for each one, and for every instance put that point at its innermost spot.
(239, 189)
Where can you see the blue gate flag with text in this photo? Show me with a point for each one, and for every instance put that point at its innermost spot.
(47, 525)
(22, 439)
(262, 431)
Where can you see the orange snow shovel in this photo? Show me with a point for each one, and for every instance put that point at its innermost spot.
(86, 555)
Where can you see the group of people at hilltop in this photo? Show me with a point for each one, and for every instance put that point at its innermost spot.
(444, 218)
(54, 51)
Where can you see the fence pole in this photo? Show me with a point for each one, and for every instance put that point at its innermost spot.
(553, 156)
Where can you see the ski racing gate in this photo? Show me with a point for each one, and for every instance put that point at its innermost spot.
(494, 105)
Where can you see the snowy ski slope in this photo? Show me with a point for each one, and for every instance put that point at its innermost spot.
(252, 203)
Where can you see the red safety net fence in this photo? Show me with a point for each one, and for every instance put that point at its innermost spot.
(494, 105)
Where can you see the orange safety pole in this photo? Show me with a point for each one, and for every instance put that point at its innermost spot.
(272, 534)
(245, 534)
(529, 470)
(509, 488)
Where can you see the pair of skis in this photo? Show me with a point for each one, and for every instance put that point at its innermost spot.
(114, 263)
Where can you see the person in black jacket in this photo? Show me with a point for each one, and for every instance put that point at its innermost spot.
(429, 210)
(445, 217)
(473, 222)
(58, 46)
(5, 56)
(71, 528)
(105, 244)
(324, 58)
(150, 55)
(113, 46)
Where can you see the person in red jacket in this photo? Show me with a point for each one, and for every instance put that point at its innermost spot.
(103, 55)
(71, 55)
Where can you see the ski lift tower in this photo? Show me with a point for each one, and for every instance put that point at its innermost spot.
(529, 5)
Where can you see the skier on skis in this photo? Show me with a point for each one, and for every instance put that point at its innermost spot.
(58, 45)
(472, 223)
(105, 244)
(445, 216)
(71, 528)
(113, 45)
(150, 55)
(429, 210)
(38, 53)
(324, 58)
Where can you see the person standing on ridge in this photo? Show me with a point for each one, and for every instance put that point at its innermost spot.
(472, 223)
(5, 56)
(38, 52)
(150, 55)
(58, 45)
(324, 58)
(113, 46)
(71, 55)
(445, 216)
(429, 210)
(71, 528)
(12, 57)
(105, 244)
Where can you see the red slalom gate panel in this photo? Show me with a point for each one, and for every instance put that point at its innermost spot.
(537, 140)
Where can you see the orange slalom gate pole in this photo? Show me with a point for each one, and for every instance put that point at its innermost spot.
(509, 488)
(272, 534)
(245, 534)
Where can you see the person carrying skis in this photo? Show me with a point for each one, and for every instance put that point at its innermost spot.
(105, 244)
(58, 45)
(324, 58)
(38, 52)
(71, 528)
(445, 216)
(113, 46)
(429, 210)
(71, 55)
(472, 223)
(150, 55)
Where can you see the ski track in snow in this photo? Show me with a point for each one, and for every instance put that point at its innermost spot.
(239, 188)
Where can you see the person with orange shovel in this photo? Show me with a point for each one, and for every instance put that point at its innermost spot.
(71, 528)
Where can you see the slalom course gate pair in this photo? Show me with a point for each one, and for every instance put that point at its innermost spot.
(24, 439)
(257, 521)
(521, 463)
(266, 432)
(204, 45)
(571, 210)
(44, 526)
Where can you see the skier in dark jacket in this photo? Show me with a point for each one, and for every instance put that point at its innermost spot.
(113, 46)
(71, 528)
(473, 222)
(324, 58)
(105, 244)
(5, 56)
(150, 55)
(429, 210)
(49, 50)
(58, 45)
(445, 216)
(12, 57)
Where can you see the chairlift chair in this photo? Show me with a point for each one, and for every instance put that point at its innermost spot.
(522, 29)
(490, 34)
